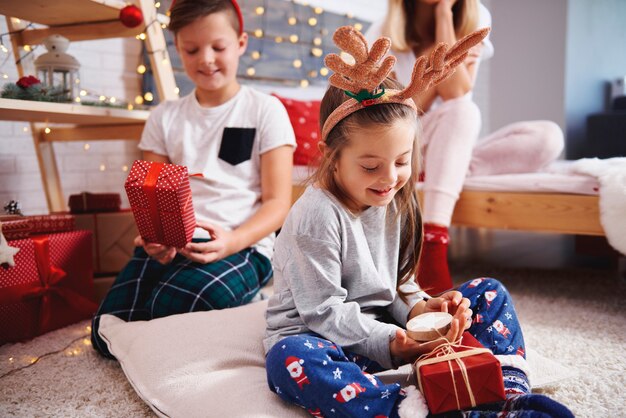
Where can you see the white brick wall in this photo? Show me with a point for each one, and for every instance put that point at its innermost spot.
(108, 68)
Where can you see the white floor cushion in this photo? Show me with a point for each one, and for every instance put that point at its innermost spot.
(211, 364)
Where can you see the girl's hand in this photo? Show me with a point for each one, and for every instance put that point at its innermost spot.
(444, 6)
(161, 253)
(409, 350)
(455, 304)
(222, 245)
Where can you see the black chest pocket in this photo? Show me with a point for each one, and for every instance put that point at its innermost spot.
(236, 146)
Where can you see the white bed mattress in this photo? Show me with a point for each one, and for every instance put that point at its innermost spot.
(542, 182)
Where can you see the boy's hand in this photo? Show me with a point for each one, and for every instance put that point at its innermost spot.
(409, 350)
(455, 304)
(222, 245)
(161, 253)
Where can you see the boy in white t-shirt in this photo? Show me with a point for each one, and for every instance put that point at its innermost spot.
(242, 143)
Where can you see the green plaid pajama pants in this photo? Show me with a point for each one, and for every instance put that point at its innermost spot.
(146, 289)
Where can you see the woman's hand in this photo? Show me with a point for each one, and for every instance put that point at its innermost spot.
(161, 253)
(409, 350)
(222, 245)
(444, 7)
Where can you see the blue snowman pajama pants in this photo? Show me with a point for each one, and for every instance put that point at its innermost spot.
(327, 381)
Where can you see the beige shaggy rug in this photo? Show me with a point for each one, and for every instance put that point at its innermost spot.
(575, 317)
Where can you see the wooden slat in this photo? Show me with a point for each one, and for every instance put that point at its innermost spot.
(94, 133)
(540, 212)
(98, 30)
(59, 13)
(33, 111)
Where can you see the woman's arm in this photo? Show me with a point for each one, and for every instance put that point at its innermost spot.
(462, 80)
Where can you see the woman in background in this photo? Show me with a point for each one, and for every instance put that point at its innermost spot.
(451, 121)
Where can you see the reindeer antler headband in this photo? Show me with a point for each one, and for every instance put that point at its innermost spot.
(362, 80)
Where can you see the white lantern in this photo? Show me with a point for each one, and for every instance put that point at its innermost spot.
(57, 69)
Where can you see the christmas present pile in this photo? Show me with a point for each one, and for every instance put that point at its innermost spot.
(18, 227)
(459, 376)
(160, 198)
(46, 283)
(94, 202)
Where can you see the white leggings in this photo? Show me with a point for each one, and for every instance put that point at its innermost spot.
(452, 152)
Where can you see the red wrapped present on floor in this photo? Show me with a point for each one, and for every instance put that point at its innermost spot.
(160, 198)
(94, 202)
(459, 376)
(24, 226)
(50, 286)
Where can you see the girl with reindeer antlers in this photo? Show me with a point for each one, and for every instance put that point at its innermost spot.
(346, 257)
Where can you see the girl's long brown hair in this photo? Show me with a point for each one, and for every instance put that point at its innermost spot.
(406, 198)
(400, 23)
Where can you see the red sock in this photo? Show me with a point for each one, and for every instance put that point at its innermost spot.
(433, 274)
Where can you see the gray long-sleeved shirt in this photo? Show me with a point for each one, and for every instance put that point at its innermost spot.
(335, 274)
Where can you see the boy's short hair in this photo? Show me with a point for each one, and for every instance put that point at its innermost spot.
(185, 12)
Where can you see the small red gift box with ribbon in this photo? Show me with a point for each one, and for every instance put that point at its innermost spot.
(50, 286)
(459, 376)
(160, 198)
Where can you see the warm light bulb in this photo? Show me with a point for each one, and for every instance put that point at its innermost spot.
(292, 21)
(47, 130)
(5, 76)
(304, 83)
(278, 39)
(4, 48)
(317, 41)
(324, 71)
(318, 10)
(138, 99)
(293, 38)
(317, 52)
(25, 129)
(86, 147)
(297, 63)
(130, 106)
(258, 33)
(77, 99)
(125, 168)
(259, 10)
(255, 55)
(83, 92)
(112, 100)
(148, 96)
(142, 36)
(176, 90)
(157, 4)
(251, 71)
(312, 73)
(102, 98)
(358, 26)
(103, 167)
(141, 69)
(27, 48)
(312, 21)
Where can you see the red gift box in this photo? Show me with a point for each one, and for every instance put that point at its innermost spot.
(51, 285)
(459, 376)
(24, 226)
(160, 198)
(94, 202)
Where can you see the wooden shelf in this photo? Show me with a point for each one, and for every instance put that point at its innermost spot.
(77, 20)
(33, 111)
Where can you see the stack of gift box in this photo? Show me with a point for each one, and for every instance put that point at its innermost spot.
(48, 282)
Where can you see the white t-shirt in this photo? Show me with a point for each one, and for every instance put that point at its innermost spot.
(406, 60)
(224, 144)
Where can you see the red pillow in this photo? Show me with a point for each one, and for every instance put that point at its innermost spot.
(304, 116)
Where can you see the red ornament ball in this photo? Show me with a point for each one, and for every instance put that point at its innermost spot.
(131, 16)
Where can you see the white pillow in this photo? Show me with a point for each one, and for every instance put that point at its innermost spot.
(212, 364)
(198, 364)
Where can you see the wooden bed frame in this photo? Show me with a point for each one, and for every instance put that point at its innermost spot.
(538, 212)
